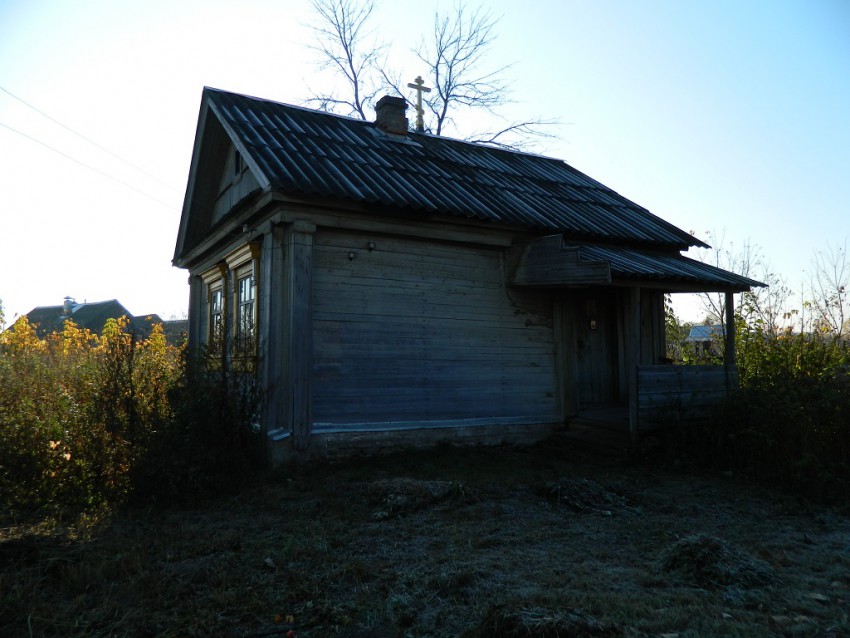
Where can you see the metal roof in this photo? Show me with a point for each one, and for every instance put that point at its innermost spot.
(89, 315)
(704, 333)
(311, 153)
(629, 263)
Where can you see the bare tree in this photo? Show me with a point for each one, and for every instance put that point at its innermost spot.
(765, 308)
(724, 254)
(346, 45)
(830, 291)
(454, 58)
(453, 61)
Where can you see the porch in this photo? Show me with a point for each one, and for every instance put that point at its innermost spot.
(609, 324)
(666, 395)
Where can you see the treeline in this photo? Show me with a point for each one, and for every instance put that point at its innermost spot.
(90, 421)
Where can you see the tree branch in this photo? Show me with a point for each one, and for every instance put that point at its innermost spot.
(343, 43)
(455, 59)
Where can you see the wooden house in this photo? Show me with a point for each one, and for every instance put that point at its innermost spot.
(391, 287)
(93, 315)
(706, 340)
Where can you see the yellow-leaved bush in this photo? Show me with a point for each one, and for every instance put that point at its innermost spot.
(78, 410)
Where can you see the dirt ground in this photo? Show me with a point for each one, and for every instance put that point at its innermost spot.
(495, 542)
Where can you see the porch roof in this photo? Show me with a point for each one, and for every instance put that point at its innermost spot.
(552, 262)
(668, 269)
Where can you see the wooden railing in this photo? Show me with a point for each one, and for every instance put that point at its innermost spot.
(668, 394)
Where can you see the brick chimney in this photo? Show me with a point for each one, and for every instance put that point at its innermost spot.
(389, 115)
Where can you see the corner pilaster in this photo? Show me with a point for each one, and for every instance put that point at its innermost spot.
(298, 331)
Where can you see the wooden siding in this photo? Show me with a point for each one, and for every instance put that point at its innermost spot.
(669, 394)
(547, 262)
(416, 332)
(236, 183)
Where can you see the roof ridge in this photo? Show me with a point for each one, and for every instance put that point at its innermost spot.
(411, 132)
(318, 153)
(305, 109)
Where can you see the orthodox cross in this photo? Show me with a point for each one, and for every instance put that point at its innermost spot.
(419, 85)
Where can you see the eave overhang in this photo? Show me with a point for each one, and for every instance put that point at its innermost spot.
(552, 262)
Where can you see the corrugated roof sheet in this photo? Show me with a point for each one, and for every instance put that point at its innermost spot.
(306, 152)
(629, 263)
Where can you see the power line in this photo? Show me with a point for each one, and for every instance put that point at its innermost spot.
(91, 168)
(89, 140)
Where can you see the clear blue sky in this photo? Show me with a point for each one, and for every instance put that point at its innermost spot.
(716, 116)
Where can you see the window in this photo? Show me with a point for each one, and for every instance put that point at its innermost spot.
(243, 265)
(216, 320)
(231, 308)
(245, 314)
(215, 330)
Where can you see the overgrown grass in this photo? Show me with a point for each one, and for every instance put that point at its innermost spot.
(88, 422)
(474, 543)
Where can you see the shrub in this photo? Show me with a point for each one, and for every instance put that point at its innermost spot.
(789, 425)
(212, 444)
(87, 420)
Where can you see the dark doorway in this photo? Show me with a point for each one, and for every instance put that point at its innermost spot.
(595, 316)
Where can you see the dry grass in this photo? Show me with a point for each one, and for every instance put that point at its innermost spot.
(455, 542)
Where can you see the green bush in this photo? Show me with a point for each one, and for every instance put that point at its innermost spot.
(789, 425)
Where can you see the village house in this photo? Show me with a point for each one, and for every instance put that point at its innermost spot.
(706, 340)
(93, 315)
(392, 287)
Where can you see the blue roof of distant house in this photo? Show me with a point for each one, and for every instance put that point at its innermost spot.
(704, 333)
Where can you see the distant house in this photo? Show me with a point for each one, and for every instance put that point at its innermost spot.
(396, 287)
(707, 340)
(94, 315)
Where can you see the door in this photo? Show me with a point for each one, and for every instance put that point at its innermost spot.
(596, 348)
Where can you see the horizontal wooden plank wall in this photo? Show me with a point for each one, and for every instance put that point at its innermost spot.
(417, 332)
(236, 184)
(547, 262)
(669, 393)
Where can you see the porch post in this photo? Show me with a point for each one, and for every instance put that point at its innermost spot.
(729, 354)
(632, 359)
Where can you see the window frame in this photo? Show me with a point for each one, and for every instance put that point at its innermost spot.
(215, 284)
(244, 311)
(243, 264)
